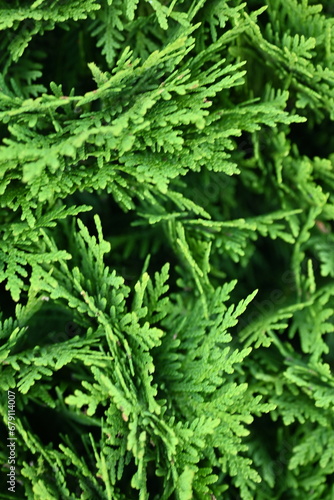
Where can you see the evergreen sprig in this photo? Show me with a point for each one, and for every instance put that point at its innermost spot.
(166, 267)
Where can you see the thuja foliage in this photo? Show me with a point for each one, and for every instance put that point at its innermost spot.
(167, 249)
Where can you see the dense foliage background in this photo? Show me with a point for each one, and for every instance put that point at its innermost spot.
(167, 249)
